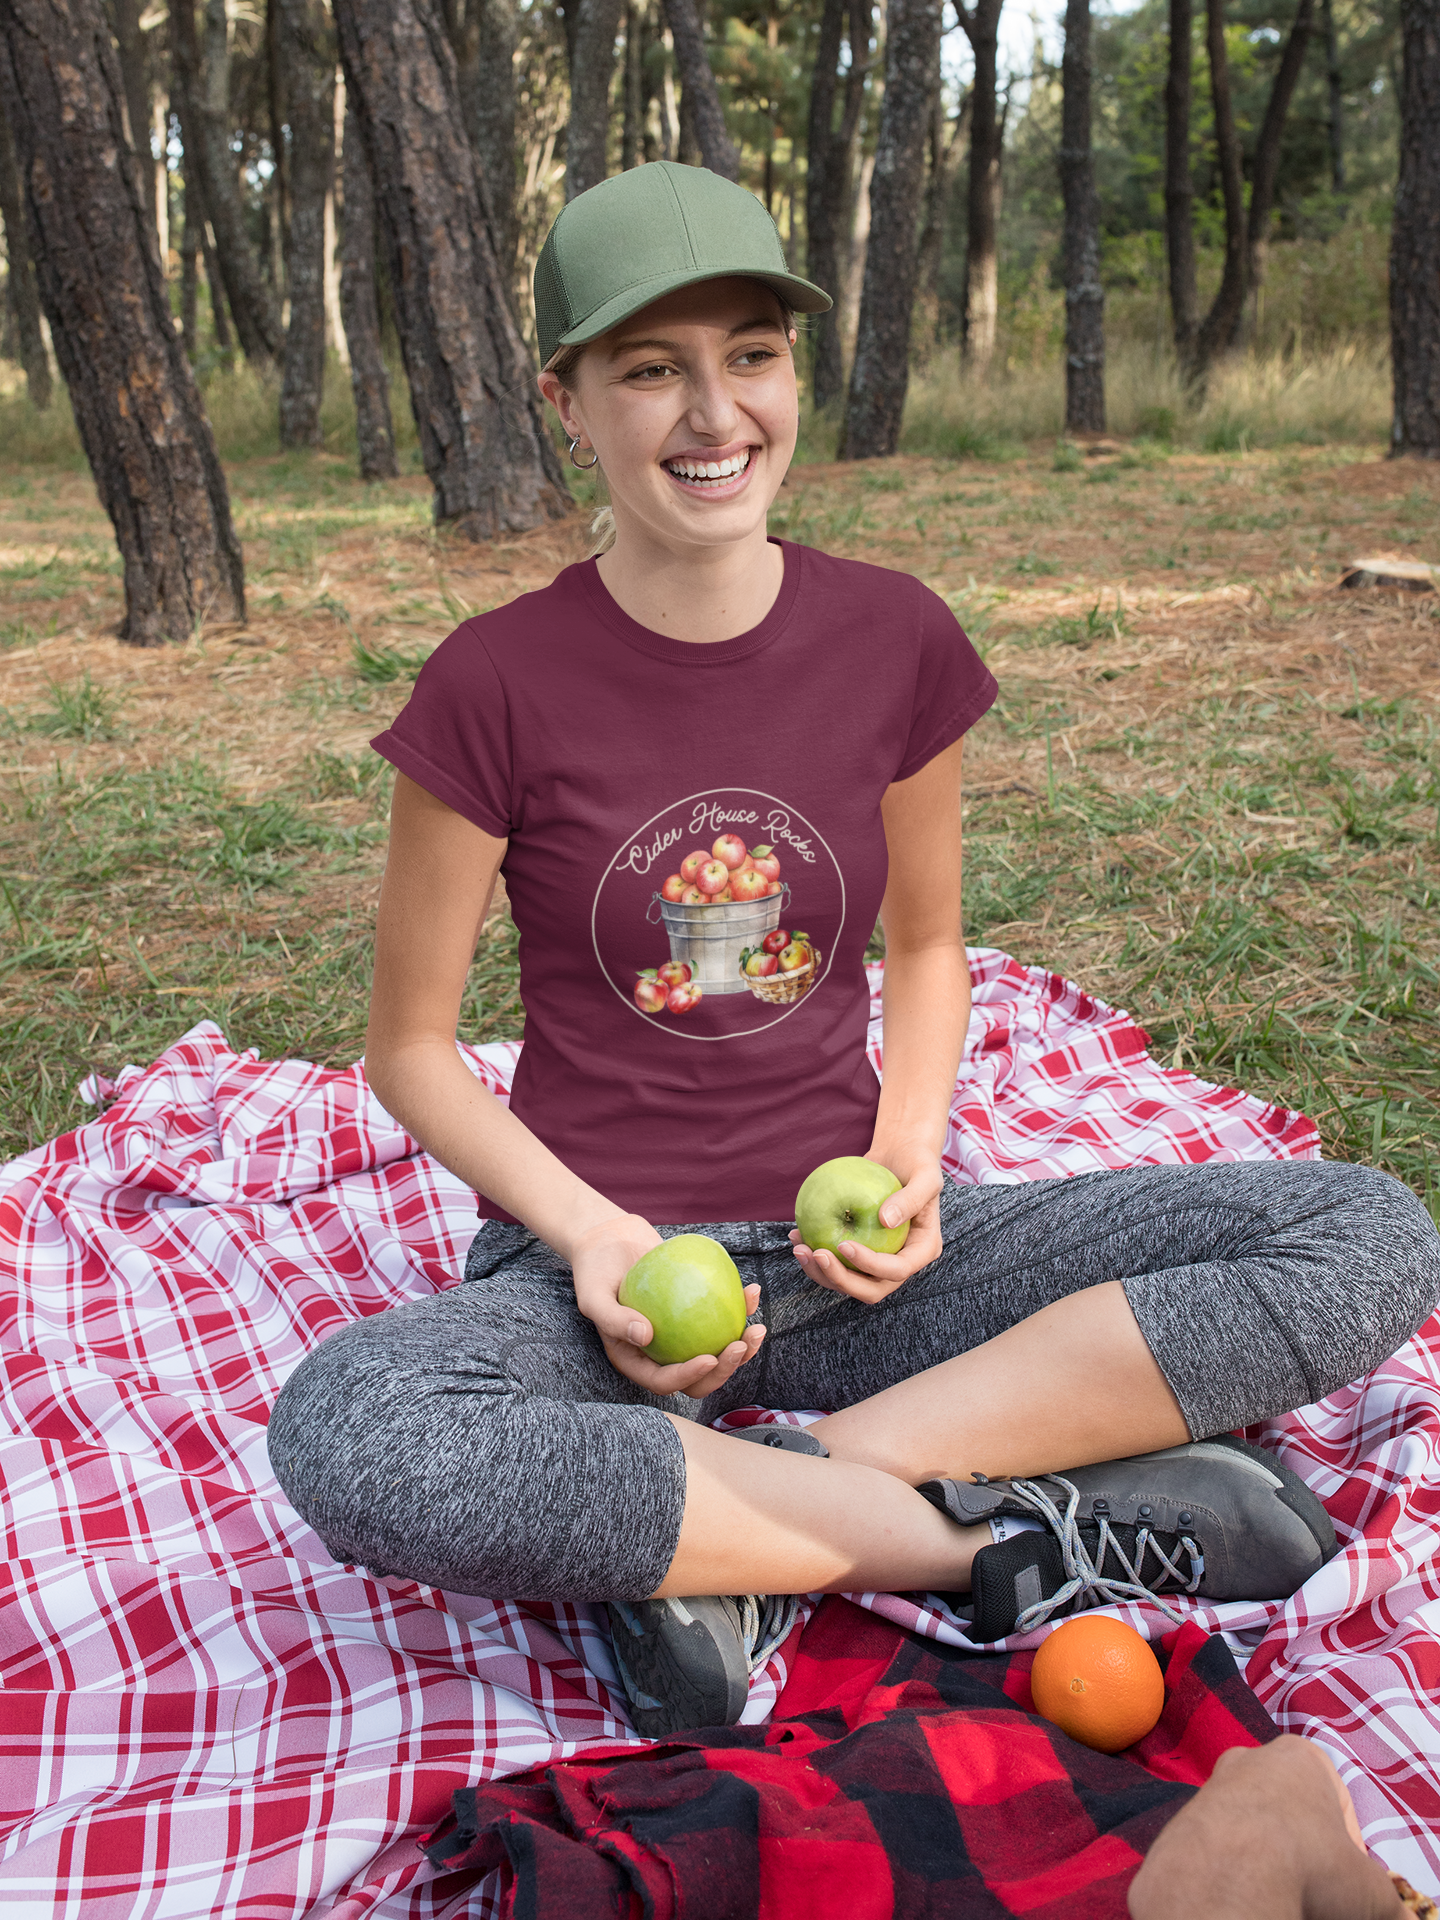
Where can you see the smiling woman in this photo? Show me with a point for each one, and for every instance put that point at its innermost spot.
(700, 753)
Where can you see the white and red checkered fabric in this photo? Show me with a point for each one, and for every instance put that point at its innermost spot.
(205, 1716)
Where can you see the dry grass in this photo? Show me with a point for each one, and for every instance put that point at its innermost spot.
(1211, 790)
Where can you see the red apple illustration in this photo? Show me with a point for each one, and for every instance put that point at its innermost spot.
(720, 899)
(795, 956)
(759, 964)
(775, 886)
(713, 876)
(692, 864)
(674, 973)
(649, 992)
(777, 941)
(692, 897)
(673, 889)
(682, 999)
(766, 861)
(730, 848)
(747, 884)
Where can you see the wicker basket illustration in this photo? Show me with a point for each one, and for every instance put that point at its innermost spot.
(783, 989)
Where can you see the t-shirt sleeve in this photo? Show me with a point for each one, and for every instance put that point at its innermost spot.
(452, 736)
(953, 686)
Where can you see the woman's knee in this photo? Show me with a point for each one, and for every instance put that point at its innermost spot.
(474, 1474)
(1360, 1267)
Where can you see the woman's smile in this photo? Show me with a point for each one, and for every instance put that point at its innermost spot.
(713, 472)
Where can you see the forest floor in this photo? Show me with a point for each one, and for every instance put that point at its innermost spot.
(1210, 791)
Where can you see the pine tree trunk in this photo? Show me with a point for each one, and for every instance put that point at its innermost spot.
(987, 138)
(701, 97)
(135, 73)
(1179, 188)
(1266, 168)
(1415, 239)
(23, 293)
(878, 379)
(1084, 294)
(592, 69)
(135, 401)
(482, 432)
(1220, 328)
(492, 123)
(277, 199)
(205, 131)
(1335, 94)
(374, 433)
(307, 51)
(632, 100)
(829, 180)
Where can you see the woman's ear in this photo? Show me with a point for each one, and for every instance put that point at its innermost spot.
(560, 398)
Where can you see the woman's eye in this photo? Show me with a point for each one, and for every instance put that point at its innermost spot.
(755, 357)
(657, 372)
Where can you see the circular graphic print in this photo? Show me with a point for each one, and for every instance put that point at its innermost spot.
(720, 915)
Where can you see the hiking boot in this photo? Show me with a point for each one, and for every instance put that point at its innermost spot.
(1218, 1519)
(687, 1663)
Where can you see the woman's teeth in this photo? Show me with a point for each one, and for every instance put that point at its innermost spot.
(699, 472)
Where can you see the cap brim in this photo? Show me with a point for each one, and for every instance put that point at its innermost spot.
(802, 296)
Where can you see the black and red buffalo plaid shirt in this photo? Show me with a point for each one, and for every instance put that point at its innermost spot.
(898, 1780)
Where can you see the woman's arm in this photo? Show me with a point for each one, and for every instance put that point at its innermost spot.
(439, 881)
(927, 1010)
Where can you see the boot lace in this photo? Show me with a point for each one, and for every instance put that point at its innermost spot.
(1084, 1579)
(766, 1620)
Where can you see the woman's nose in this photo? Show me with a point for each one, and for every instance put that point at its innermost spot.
(712, 409)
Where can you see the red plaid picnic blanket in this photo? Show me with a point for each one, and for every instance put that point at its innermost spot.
(897, 1777)
(205, 1715)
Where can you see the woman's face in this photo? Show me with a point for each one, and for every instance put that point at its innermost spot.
(703, 379)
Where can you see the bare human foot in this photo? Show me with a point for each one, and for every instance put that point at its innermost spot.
(1272, 1835)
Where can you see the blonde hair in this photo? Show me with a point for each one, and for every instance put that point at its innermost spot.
(565, 364)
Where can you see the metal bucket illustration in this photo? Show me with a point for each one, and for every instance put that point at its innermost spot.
(710, 940)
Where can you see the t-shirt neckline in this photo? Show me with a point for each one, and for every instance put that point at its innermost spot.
(690, 653)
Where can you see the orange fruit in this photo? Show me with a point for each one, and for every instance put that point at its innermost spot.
(1097, 1680)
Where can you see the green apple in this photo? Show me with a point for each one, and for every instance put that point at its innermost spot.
(842, 1201)
(690, 1291)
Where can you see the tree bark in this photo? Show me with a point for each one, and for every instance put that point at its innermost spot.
(880, 375)
(1266, 167)
(1220, 328)
(482, 32)
(633, 93)
(829, 180)
(369, 381)
(23, 292)
(205, 131)
(135, 401)
(700, 100)
(307, 52)
(1084, 294)
(943, 148)
(987, 138)
(1415, 239)
(1179, 189)
(482, 432)
(279, 195)
(592, 68)
(135, 74)
(1335, 93)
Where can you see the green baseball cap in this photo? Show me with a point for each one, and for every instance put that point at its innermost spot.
(645, 233)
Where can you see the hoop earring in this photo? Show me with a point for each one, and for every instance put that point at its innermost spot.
(583, 465)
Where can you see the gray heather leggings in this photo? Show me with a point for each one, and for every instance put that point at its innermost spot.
(480, 1440)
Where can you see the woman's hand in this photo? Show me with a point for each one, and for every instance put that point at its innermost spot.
(918, 1201)
(600, 1260)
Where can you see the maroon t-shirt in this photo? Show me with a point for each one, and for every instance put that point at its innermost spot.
(671, 810)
